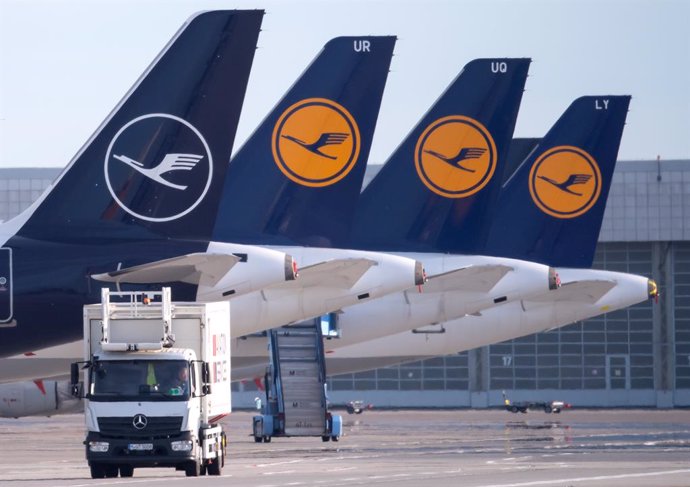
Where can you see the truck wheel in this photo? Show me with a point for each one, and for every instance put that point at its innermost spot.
(513, 409)
(214, 468)
(192, 469)
(222, 458)
(335, 438)
(547, 409)
(97, 471)
(258, 439)
(126, 470)
(325, 438)
(267, 439)
(523, 410)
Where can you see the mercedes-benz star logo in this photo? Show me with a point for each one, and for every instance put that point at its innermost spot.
(140, 421)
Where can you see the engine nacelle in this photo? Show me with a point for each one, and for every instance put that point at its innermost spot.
(38, 398)
(258, 268)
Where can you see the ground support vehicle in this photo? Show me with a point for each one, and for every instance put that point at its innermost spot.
(155, 383)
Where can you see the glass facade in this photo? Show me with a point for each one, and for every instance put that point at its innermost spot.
(21, 187)
(681, 295)
(436, 374)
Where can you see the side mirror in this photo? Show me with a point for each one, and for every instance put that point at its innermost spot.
(77, 385)
(205, 373)
(74, 373)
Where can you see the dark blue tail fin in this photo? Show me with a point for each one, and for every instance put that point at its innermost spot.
(518, 151)
(156, 166)
(550, 210)
(297, 178)
(434, 192)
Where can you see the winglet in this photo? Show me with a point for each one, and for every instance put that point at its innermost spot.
(197, 268)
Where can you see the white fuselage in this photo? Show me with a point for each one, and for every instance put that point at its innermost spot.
(494, 325)
(308, 297)
(420, 306)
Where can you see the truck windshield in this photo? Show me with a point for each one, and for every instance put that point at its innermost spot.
(140, 380)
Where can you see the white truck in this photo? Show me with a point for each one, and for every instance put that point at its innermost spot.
(155, 383)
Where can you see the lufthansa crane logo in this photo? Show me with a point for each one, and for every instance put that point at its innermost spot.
(158, 167)
(455, 156)
(565, 182)
(315, 142)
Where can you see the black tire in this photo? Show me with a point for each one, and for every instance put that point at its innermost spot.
(224, 443)
(523, 410)
(126, 470)
(325, 438)
(215, 467)
(258, 439)
(192, 469)
(335, 438)
(547, 409)
(513, 409)
(111, 471)
(97, 471)
(267, 439)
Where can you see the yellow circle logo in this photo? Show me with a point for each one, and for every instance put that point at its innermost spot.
(455, 156)
(315, 142)
(565, 182)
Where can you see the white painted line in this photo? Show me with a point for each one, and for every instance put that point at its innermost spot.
(590, 479)
(280, 472)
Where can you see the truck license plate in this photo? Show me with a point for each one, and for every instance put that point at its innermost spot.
(140, 446)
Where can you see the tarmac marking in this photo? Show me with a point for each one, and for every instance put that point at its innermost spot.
(147, 480)
(590, 479)
(273, 464)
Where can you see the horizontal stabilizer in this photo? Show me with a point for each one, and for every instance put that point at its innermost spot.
(474, 278)
(588, 291)
(336, 273)
(197, 268)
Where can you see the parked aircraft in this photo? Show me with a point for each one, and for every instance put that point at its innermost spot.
(588, 135)
(306, 160)
(274, 221)
(139, 194)
(284, 215)
(345, 84)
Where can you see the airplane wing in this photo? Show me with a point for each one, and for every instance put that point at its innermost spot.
(586, 291)
(190, 268)
(474, 278)
(336, 273)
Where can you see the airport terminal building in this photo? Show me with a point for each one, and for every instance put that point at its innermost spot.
(639, 356)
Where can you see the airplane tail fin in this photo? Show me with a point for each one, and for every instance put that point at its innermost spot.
(297, 177)
(519, 149)
(155, 167)
(434, 191)
(551, 208)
